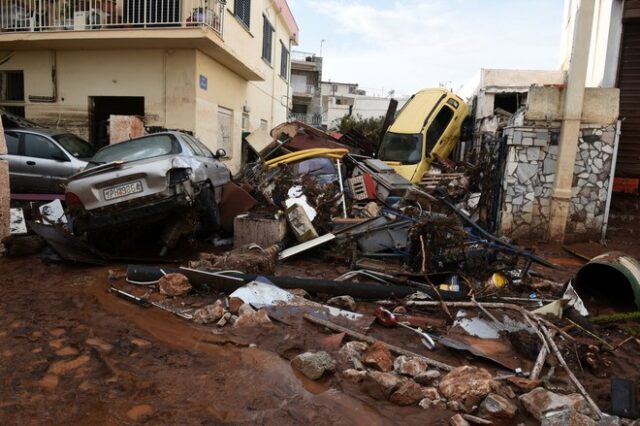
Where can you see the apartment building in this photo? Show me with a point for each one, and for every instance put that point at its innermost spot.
(211, 67)
(306, 75)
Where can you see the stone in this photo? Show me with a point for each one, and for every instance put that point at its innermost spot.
(140, 412)
(533, 154)
(523, 383)
(409, 393)
(597, 165)
(67, 351)
(99, 343)
(467, 384)
(252, 318)
(343, 302)
(525, 172)
(567, 418)
(517, 201)
(380, 385)
(174, 285)
(548, 166)
(539, 401)
(458, 420)
(608, 149)
(409, 366)
(431, 393)
(378, 356)
(314, 364)
(351, 350)
(353, 376)
(497, 407)
(427, 377)
(224, 319)
(209, 313)
(49, 381)
(234, 305)
(62, 367)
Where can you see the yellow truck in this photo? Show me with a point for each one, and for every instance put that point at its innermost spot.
(428, 125)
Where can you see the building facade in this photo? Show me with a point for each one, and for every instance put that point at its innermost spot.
(306, 75)
(213, 68)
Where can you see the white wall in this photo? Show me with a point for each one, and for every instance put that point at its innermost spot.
(606, 35)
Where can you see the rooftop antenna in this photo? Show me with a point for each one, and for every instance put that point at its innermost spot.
(321, 44)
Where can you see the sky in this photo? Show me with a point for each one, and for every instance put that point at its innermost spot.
(407, 45)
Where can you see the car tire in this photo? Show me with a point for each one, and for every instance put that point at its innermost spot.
(208, 211)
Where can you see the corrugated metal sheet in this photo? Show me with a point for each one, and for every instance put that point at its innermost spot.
(628, 164)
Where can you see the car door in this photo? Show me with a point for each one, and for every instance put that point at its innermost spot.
(47, 166)
(14, 158)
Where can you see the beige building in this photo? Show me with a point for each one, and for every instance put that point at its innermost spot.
(209, 67)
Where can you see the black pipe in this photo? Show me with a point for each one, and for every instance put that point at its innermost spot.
(202, 279)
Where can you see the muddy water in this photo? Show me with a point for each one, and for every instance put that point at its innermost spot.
(71, 352)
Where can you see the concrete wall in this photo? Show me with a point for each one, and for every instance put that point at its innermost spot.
(604, 47)
(601, 106)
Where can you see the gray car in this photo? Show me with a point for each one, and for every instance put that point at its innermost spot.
(41, 160)
(164, 177)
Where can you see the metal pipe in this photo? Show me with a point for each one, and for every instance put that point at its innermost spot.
(614, 159)
(344, 202)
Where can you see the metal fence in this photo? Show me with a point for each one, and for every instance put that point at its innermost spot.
(315, 119)
(63, 15)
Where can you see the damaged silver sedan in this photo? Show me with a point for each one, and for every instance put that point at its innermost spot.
(167, 178)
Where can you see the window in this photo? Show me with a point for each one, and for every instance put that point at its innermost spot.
(401, 147)
(438, 126)
(12, 140)
(267, 39)
(79, 148)
(225, 130)
(243, 11)
(137, 149)
(40, 147)
(284, 61)
(189, 141)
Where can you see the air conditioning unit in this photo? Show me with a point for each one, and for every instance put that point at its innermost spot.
(80, 20)
(90, 19)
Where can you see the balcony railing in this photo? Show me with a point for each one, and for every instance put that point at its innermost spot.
(307, 89)
(63, 15)
(315, 119)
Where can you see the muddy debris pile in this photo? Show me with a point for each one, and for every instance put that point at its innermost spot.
(371, 282)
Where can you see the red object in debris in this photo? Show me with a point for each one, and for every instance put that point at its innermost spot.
(626, 185)
(385, 317)
(235, 201)
(72, 200)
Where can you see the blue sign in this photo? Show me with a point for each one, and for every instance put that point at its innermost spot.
(203, 82)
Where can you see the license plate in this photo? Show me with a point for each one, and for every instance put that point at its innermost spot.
(122, 190)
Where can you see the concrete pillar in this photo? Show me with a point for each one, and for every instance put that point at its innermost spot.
(5, 193)
(569, 133)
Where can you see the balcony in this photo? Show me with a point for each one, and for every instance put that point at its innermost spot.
(96, 15)
(304, 90)
(313, 119)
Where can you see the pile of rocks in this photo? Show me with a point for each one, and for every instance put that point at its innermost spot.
(237, 314)
(470, 391)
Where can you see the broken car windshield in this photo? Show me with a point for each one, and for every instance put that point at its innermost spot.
(403, 148)
(137, 149)
(76, 146)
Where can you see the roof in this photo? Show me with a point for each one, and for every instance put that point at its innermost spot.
(415, 112)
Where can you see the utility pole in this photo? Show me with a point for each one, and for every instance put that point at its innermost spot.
(571, 115)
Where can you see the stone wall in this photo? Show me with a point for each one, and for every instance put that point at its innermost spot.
(530, 167)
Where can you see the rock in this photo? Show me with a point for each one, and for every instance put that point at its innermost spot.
(455, 406)
(401, 310)
(343, 302)
(313, 364)
(66, 351)
(209, 313)
(49, 381)
(380, 385)
(539, 401)
(140, 412)
(427, 377)
(523, 383)
(458, 420)
(234, 305)
(431, 393)
(379, 357)
(409, 366)
(252, 318)
(467, 384)
(354, 376)
(174, 285)
(427, 404)
(566, 418)
(62, 367)
(351, 350)
(497, 407)
(409, 393)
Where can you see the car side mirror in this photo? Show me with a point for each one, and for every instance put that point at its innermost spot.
(221, 153)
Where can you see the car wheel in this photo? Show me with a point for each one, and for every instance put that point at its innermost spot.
(208, 211)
